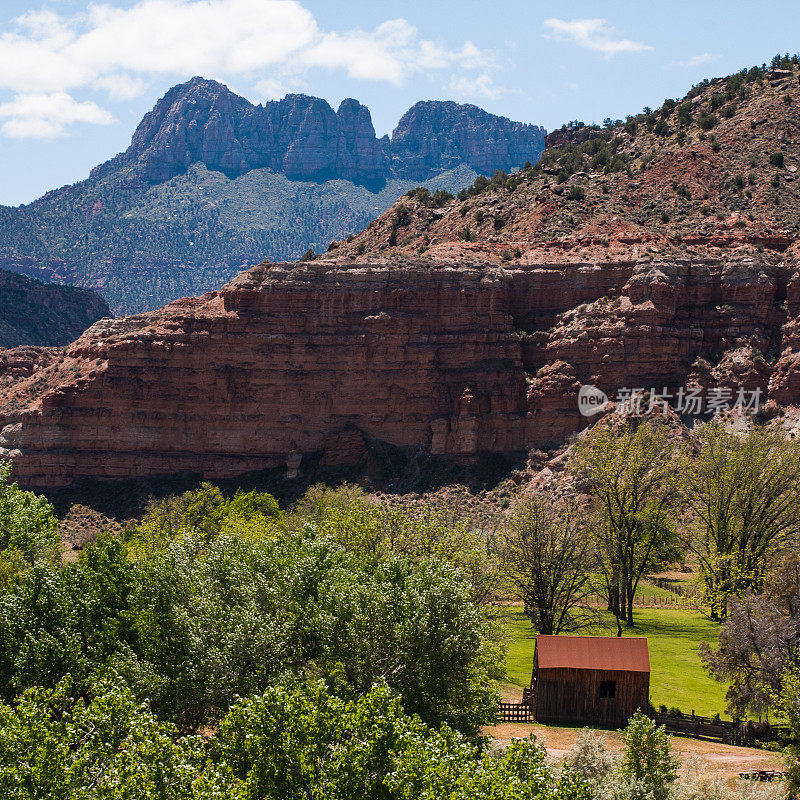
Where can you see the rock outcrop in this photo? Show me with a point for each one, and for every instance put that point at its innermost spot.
(571, 135)
(299, 136)
(36, 313)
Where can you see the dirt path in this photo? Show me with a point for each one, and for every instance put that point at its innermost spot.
(722, 758)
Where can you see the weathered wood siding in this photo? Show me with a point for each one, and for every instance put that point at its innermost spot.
(572, 696)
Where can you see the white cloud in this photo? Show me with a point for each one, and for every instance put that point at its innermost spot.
(696, 61)
(47, 116)
(592, 34)
(390, 53)
(118, 50)
(272, 89)
(120, 86)
(482, 86)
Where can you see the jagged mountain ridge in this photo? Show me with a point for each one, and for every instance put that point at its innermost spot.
(303, 138)
(35, 313)
(212, 184)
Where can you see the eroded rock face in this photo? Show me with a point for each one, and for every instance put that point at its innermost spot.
(300, 136)
(293, 360)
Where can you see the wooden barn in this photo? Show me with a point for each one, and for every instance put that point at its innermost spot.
(589, 680)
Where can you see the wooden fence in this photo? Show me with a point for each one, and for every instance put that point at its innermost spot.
(763, 775)
(515, 712)
(727, 731)
(733, 732)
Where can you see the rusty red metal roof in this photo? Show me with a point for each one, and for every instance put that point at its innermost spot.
(628, 653)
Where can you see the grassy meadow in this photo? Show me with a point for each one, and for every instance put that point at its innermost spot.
(677, 677)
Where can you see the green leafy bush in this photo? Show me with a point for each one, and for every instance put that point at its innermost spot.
(28, 529)
(576, 193)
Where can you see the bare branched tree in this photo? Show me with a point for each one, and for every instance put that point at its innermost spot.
(549, 559)
(759, 642)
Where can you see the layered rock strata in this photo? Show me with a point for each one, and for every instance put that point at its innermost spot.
(293, 360)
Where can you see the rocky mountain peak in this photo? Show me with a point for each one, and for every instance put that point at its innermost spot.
(435, 135)
(302, 137)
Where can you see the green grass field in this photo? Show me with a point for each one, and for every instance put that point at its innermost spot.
(677, 677)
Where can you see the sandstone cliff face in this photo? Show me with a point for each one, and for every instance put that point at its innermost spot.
(35, 313)
(285, 360)
(290, 361)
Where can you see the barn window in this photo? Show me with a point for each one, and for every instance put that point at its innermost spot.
(608, 690)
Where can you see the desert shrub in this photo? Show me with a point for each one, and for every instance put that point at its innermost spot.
(647, 759)
(576, 193)
(589, 758)
(777, 159)
(466, 234)
(401, 217)
(662, 129)
(439, 198)
(707, 121)
(684, 111)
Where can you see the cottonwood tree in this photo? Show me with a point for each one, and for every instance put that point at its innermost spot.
(28, 529)
(744, 491)
(629, 470)
(759, 642)
(548, 557)
(373, 532)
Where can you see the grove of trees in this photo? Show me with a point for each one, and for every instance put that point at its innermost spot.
(341, 648)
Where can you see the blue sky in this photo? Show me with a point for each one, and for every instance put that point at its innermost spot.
(76, 77)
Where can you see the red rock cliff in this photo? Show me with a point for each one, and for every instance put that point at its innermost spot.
(288, 359)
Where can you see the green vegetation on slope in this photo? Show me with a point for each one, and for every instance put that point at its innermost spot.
(143, 245)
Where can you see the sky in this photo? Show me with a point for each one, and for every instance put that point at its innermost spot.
(76, 77)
